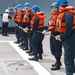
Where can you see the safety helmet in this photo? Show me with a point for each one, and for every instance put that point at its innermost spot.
(19, 6)
(7, 10)
(35, 8)
(55, 4)
(27, 5)
(61, 1)
(15, 8)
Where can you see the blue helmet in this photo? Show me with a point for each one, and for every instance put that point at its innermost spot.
(27, 5)
(15, 8)
(61, 1)
(19, 6)
(36, 8)
(55, 4)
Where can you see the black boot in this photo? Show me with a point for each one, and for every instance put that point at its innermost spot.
(20, 45)
(56, 67)
(29, 51)
(57, 60)
(2, 34)
(57, 64)
(6, 35)
(25, 48)
(35, 58)
(17, 42)
(31, 54)
(40, 56)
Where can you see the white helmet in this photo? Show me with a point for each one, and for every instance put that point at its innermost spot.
(7, 10)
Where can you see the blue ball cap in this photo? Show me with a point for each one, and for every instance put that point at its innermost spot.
(27, 5)
(55, 4)
(61, 1)
(35, 8)
(19, 6)
(15, 8)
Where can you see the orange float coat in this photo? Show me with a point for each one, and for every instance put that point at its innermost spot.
(20, 15)
(26, 18)
(61, 26)
(14, 16)
(52, 21)
(41, 17)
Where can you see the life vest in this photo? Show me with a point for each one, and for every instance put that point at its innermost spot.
(5, 17)
(14, 16)
(60, 25)
(52, 21)
(41, 17)
(20, 15)
(26, 18)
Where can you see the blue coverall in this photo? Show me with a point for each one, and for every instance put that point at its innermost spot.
(68, 41)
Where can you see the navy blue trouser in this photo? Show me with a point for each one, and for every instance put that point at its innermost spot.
(20, 31)
(56, 47)
(4, 28)
(36, 42)
(30, 34)
(69, 54)
(17, 33)
(25, 38)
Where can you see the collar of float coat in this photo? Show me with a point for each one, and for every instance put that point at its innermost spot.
(40, 14)
(70, 9)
